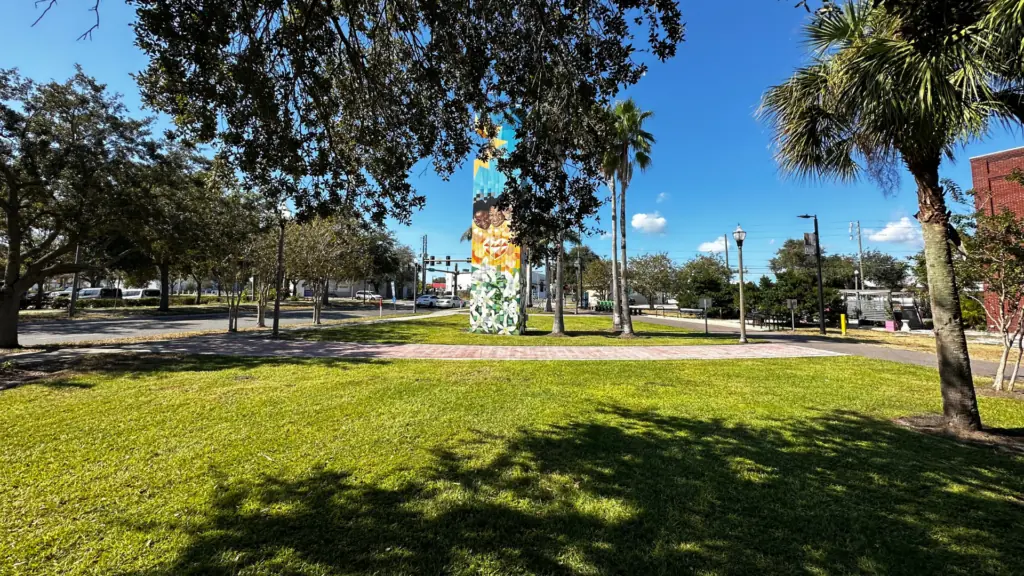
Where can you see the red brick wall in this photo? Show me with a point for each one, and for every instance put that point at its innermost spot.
(988, 174)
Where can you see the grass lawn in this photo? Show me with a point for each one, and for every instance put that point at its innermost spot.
(582, 331)
(256, 466)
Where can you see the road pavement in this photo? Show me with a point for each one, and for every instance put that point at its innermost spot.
(978, 367)
(79, 331)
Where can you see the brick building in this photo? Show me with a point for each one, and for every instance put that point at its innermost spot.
(988, 175)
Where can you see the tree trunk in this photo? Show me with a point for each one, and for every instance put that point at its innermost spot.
(261, 308)
(547, 276)
(627, 322)
(278, 281)
(1016, 366)
(558, 325)
(959, 403)
(165, 286)
(999, 378)
(326, 296)
(199, 289)
(317, 300)
(10, 304)
(616, 305)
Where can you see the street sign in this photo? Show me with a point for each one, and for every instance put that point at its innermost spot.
(705, 303)
(791, 303)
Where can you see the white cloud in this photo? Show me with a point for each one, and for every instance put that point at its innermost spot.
(652, 223)
(606, 235)
(661, 197)
(905, 231)
(716, 246)
(771, 242)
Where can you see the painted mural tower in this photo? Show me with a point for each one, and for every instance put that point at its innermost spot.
(496, 301)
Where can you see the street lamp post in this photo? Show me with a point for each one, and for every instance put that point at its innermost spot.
(817, 255)
(739, 236)
(859, 285)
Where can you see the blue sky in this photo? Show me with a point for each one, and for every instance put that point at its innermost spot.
(712, 164)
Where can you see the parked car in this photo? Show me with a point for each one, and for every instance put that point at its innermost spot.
(93, 293)
(367, 295)
(428, 300)
(137, 293)
(449, 302)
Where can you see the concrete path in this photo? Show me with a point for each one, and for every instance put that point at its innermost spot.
(71, 331)
(928, 359)
(261, 346)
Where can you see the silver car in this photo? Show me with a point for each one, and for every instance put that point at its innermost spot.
(449, 302)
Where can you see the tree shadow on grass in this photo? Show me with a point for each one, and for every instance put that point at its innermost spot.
(66, 372)
(639, 493)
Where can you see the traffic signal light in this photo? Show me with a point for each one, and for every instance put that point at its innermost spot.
(432, 260)
(447, 261)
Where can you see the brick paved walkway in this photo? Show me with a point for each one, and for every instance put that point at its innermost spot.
(264, 347)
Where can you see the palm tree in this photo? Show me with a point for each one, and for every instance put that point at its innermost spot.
(631, 149)
(609, 176)
(872, 98)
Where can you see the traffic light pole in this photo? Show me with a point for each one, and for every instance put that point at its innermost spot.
(423, 266)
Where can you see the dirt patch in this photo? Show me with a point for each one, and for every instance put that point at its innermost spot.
(11, 377)
(1009, 440)
(987, 390)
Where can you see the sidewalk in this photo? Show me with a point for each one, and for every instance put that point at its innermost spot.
(261, 346)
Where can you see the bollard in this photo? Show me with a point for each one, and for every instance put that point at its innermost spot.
(842, 323)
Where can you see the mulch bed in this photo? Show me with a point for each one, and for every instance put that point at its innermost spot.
(1009, 440)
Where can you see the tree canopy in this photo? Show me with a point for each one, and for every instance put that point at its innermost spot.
(333, 103)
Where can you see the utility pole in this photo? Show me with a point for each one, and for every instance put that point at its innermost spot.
(423, 265)
(860, 264)
(817, 255)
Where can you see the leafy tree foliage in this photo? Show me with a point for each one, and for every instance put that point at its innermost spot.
(67, 150)
(333, 103)
(652, 274)
(885, 270)
(706, 276)
(994, 249)
(597, 275)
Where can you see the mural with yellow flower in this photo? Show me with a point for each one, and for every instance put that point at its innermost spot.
(496, 305)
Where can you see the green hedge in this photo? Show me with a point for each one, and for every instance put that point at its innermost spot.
(184, 300)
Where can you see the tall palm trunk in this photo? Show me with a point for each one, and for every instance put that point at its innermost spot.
(558, 326)
(547, 277)
(627, 321)
(959, 403)
(616, 305)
